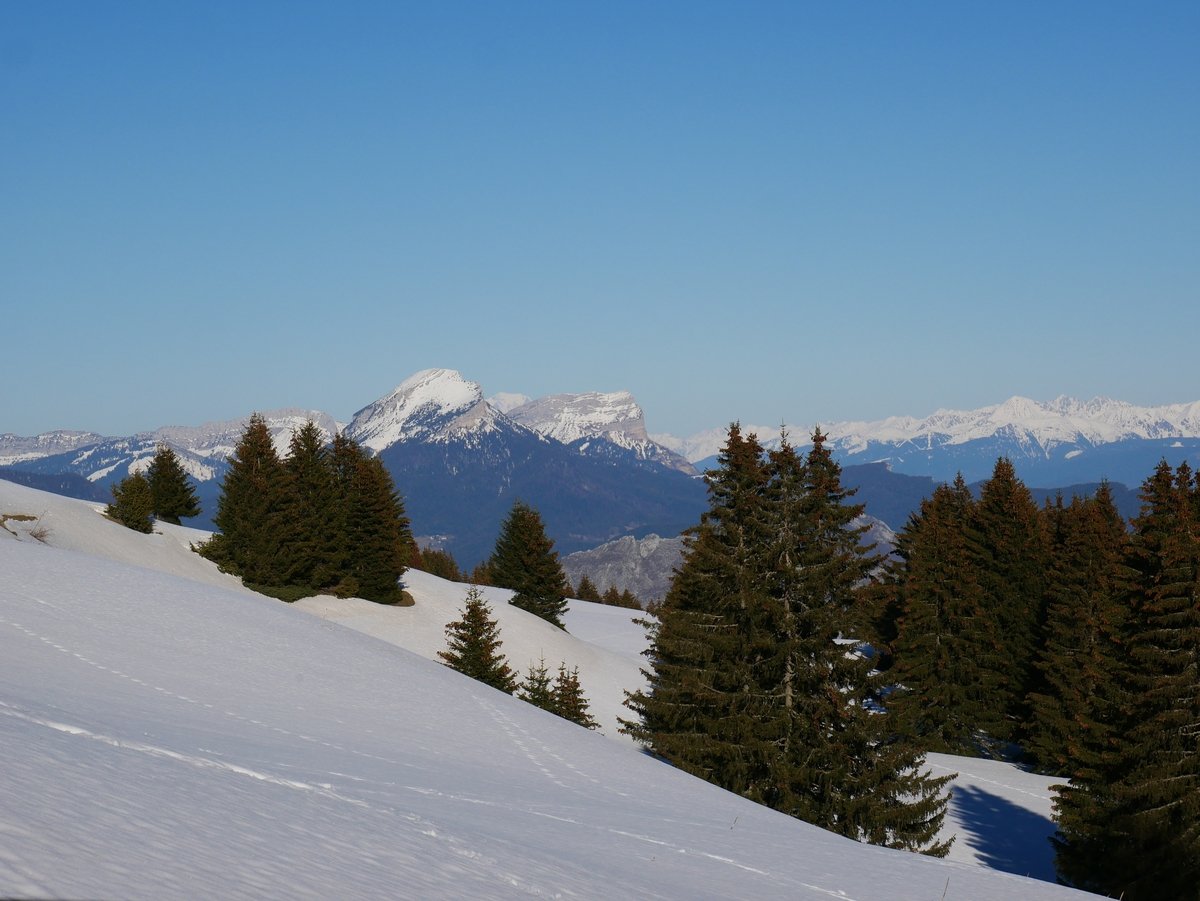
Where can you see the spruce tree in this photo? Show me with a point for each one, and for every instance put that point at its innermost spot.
(173, 493)
(698, 711)
(524, 561)
(251, 496)
(473, 645)
(1134, 830)
(837, 762)
(1009, 550)
(536, 687)
(587, 590)
(948, 663)
(440, 563)
(133, 503)
(567, 698)
(1075, 720)
(376, 539)
(307, 526)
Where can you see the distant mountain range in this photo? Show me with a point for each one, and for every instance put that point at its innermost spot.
(587, 462)
(1060, 442)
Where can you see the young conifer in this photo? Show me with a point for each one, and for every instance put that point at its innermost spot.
(132, 504)
(567, 698)
(536, 687)
(587, 590)
(473, 645)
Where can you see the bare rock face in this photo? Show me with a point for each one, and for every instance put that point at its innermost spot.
(644, 566)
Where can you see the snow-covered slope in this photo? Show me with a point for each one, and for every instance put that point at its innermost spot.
(166, 736)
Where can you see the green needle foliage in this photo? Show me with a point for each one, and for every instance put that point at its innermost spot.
(473, 645)
(132, 504)
(172, 490)
(755, 682)
(524, 561)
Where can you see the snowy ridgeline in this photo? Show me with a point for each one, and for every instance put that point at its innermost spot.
(167, 734)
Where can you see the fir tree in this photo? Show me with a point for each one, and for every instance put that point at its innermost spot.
(1009, 551)
(629, 600)
(948, 660)
(308, 525)
(698, 712)
(611, 596)
(567, 698)
(439, 563)
(587, 590)
(132, 503)
(837, 763)
(1134, 830)
(473, 645)
(524, 561)
(1075, 715)
(173, 493)
(251, 496)
(376, 538)
(536, 687)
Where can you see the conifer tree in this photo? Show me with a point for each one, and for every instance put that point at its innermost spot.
(1009, 551)
(611, 596)
(524, 561)
(838, 763)
(376, 538)
(629, 600)
(440, 563)
(132, 503)
(473, 645)
(567, 698)
(1134, 829)
(587, 590)
(536, 687)
(173, 493)
(251, 496)
(948, 660)
(1075, 714)
(698, 710)
(310, 520)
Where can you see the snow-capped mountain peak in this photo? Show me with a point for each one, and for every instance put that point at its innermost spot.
(432, 404)
(569, 417)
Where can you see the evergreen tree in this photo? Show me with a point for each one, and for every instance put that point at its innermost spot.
(473, 645)
(698, 712)
(536, 687)
(1075, 716)
(838, 763)
(1009, 550)
(173, 493)
(308, 525)
(629, 600)
(251, 496)
(754, 684)
(611, 596)
(439, 563)
(132, 503)
(587, 590)
(948, 662)
(376, 538)
(568, 700)
(524, 561)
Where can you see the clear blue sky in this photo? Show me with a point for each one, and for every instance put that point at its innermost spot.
(765, 211)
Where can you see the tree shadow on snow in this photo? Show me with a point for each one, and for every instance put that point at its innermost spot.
(1005, 836)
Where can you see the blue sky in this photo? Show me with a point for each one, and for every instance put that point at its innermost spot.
(769, 212)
